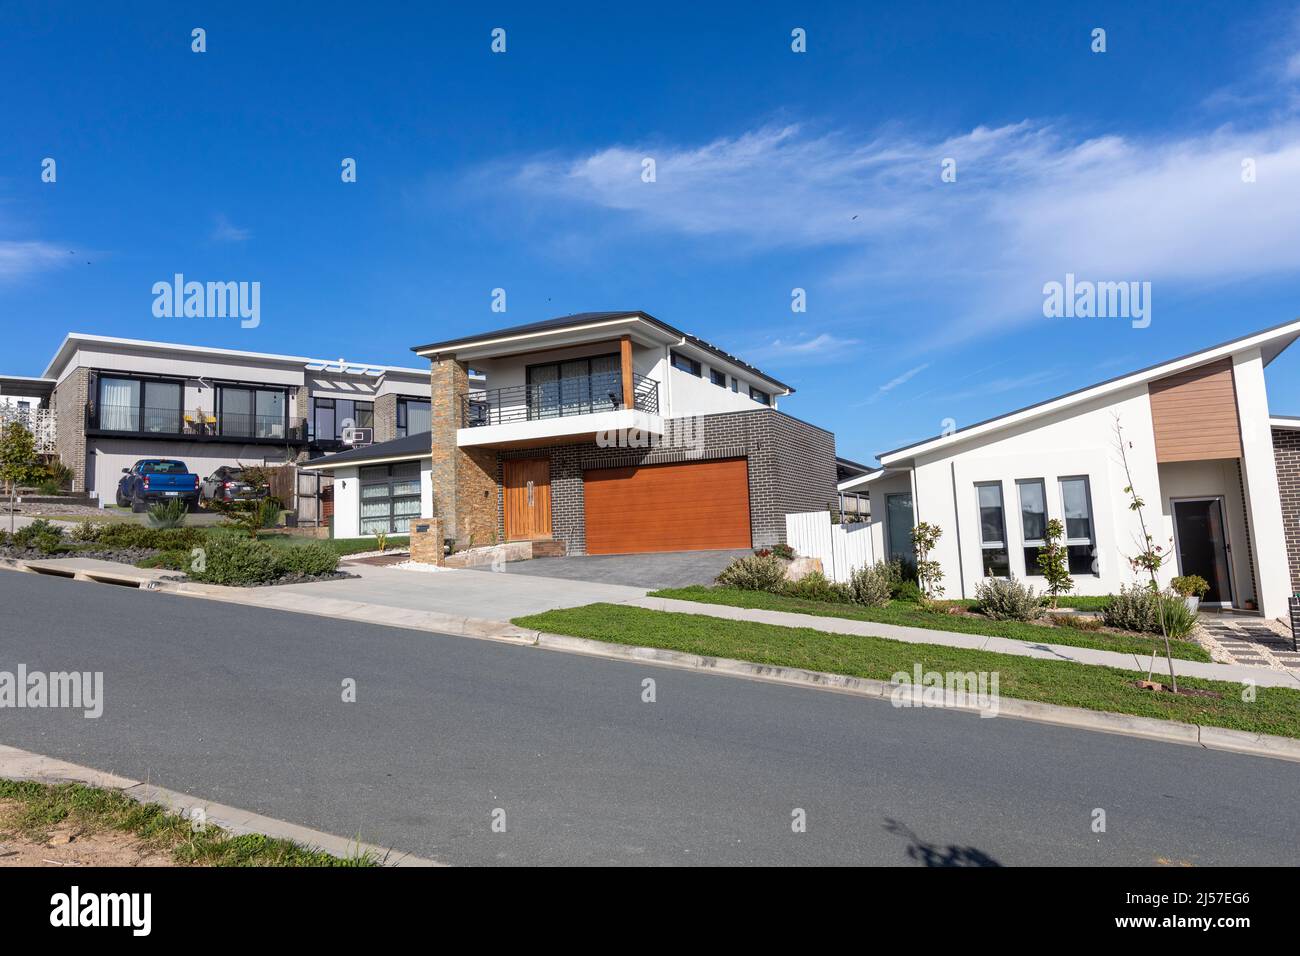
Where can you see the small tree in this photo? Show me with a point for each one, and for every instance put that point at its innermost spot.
(1149, 559)
(1053, 561)
(18, 461)
(929, 574)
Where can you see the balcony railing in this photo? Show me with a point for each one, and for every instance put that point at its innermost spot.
(174, 423)
(581, 395)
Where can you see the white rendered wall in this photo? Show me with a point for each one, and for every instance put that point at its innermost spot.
(1263, 499)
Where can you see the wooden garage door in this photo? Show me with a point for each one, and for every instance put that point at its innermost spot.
(693, 506)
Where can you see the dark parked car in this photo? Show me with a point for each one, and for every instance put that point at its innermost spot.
(227, 484)
(151, 480)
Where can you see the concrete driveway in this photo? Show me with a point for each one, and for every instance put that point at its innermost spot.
(468, 593)
(670, 569)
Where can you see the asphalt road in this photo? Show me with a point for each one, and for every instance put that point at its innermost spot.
(244, 706)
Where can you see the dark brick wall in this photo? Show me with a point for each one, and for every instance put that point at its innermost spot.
(1286, 453)
(791, 468)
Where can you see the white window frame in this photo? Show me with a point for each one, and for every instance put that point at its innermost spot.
(1092, 520)
(979, 516)
(1026, 543)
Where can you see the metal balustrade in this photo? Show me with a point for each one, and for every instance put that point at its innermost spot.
(579, 395)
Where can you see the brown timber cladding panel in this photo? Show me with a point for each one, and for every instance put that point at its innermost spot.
(698, 505)
(1194, 414)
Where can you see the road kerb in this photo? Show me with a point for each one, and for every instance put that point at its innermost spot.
(16, 764)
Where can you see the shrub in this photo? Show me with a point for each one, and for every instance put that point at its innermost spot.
(783, 551)
(756, 573)
(1139, 608)
(40, 534)
(231, 559)
(314, 558)
(929, 574)
(168, 514)
(1190, 585)
(249, 517)
(908, 591)
(86, 530)
(872, 586)
(1006, 599)
(174, 560)
(815, 586)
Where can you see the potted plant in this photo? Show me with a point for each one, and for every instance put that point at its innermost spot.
(1191, 588)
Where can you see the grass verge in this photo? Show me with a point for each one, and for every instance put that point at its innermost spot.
(911, 615)
(1274, 711)
(41, 807)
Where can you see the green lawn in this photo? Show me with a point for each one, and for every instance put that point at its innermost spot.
(912, 615)
(1274, 711)
(41, 807)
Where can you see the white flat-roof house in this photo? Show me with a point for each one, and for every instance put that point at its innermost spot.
(600, 433)
(1203, 454)
(116, 400)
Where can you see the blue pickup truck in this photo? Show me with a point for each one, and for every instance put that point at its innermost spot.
(151, 480)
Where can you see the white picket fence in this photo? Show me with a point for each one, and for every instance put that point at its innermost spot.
(842, 548)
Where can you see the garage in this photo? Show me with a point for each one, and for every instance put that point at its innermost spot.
(687, 506)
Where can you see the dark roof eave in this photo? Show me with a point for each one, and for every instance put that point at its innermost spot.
(582, 318)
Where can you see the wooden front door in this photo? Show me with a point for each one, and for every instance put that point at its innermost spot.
(527, 484)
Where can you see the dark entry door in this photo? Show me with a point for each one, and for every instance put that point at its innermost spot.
(1203, 546)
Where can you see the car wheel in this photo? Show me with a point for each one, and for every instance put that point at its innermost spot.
(121, 501)
(139, 506)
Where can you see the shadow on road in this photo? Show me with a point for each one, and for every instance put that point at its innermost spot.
(931, 854)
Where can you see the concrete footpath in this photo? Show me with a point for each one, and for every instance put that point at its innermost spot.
(16, 764)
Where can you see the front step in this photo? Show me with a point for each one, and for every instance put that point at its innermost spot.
(549, 548)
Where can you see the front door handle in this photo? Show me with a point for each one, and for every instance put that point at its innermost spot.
(530, 493)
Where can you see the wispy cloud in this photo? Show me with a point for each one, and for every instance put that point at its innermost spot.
(819, 346)
(23, 258)
(999, 386)
(893, 383)
(226, 231)
(1032, 201)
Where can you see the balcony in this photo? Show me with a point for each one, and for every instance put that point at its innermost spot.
(171, 423)
(560, 409)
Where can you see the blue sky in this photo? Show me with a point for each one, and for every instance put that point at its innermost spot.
(774, 171)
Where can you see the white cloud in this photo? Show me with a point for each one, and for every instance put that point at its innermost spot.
(226, 231)
(1031, 202)
(22, 258)
(893, 383)
(819, 346)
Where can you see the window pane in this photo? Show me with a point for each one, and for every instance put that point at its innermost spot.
(419, 418)
(996, 563)
(270, 414)
(374, 473)
(236, 411)
(1031, 563)
(407, 469)
(162, 407)
(898, 519)
(991, 523)
(365, 414)
(1033, 510)
(119, 404)
(1081, 559)
(1078, 510)
(376, 525)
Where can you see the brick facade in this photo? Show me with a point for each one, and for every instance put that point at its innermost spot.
(463, 479)
(69, 404)
(1286, 455)
(386, 417)
(791, 468)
